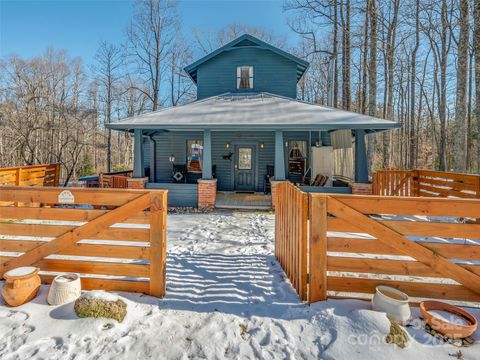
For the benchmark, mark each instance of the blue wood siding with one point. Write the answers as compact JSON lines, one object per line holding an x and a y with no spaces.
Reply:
{"x":175,"y":143}
{"x":179,"y":195}
{"x":271,"y":73}
{"x":326,"y":189}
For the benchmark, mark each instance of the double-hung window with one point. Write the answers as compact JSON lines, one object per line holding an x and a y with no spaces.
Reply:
{"x":194,"y":156}
{"x":244,"y":77}
{"x":297,"y":157}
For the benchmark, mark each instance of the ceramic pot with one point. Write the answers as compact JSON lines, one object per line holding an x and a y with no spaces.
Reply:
{"x":21,"y":285}
{"x":65,"y":288}
{"x":448,"y":328}
{"x":393,"y":302}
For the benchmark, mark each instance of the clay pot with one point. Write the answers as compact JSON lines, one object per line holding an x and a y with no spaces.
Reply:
{"x":21,"y":285}
{"x":393,"y":302}
{"x":449,"y":329}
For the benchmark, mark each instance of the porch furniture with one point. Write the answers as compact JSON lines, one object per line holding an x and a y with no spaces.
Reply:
{"x":267,"y":186}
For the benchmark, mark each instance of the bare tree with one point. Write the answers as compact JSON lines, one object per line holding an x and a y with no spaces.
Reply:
{"x":107,"y":70}
{"x":150,"y":38}
{"x":460,"y":137}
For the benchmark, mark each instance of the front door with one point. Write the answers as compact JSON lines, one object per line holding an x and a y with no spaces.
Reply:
{"x":244,"y":168}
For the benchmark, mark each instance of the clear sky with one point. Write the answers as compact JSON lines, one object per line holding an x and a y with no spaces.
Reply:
{"x":27,"y":28}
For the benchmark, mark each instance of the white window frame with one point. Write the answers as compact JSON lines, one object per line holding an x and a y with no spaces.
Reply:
{"x":250,"y":77}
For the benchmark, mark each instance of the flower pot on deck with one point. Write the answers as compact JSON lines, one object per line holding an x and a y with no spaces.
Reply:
{"x":64,"y":289}
{"x":21,"y":285}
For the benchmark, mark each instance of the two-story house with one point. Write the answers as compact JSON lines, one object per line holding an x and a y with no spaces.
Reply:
{"x":247,"y":128}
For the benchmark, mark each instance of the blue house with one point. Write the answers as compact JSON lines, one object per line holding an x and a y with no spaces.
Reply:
{"x":247,"y":130}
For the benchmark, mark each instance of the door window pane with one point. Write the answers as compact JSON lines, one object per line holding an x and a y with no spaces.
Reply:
{"x":245,"y":158}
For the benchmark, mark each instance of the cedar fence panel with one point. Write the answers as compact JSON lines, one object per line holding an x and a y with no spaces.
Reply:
{"x":34,"y":175}
{"x":291,"y":210}
{"x":358,"y":242}
{"x":115,"y":239}
{"x":425,"y":183}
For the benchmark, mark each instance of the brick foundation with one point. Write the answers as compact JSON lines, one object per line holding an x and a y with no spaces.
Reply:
{"x":207,"y":193}
{"x":137,"y":183}
{"x":361,"y":189}
{"x":274,"y":184}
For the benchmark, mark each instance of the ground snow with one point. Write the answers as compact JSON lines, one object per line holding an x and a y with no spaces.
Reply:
{"x":227,"y":298}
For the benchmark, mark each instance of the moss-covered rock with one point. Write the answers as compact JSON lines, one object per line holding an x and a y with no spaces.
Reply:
{"x":397,"y":335}
{"x":90,"y":306}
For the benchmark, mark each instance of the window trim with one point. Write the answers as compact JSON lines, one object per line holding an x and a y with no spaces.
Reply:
{"x":304,"y":158}
{"x":250,"y":77}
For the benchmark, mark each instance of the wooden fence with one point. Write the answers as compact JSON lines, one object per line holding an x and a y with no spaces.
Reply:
{"x":115,"y":239}
{"x":34,"y":175}
{"x":425,"y":183}
{"x":291,"y":235}
{"x":358,"y":242}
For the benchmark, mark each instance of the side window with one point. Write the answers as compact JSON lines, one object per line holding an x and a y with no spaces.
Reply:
{"x":194,"y":156}
{"x":297,"y":157}
{"x":244,"y":77}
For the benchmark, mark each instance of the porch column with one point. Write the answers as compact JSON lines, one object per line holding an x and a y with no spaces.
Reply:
{"x":207,"y":155}
{"x":138,"y":167}
{"x":279,"y":156}
{"x":361,"y":164}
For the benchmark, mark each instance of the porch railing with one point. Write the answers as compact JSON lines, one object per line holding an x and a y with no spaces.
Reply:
{"x":426,"y":183}
{"x":32,"y":175}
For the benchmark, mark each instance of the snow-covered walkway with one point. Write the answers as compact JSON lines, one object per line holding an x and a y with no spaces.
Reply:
{"x":227,"y":298}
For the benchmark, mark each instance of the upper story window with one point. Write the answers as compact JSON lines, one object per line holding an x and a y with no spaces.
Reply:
{"x":244,"y":77}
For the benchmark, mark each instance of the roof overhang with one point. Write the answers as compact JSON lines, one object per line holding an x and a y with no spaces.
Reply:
{"x":259,"y":112}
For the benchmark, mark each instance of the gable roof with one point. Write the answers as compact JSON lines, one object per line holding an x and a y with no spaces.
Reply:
{"x":247,"y":40}
{"x":261,"y":111}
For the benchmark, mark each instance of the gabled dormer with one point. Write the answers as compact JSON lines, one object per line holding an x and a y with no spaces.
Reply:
{"x":247,"y":65}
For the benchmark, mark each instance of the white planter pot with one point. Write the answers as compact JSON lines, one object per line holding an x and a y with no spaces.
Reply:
{"x":65,"y":288}
{"x":393,"y":302}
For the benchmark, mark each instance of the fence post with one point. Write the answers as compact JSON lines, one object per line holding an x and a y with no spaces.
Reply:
{"x":158,"y":242}
{"x":318,"y":247}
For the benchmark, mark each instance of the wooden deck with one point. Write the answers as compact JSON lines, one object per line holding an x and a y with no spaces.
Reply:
{"x":233,"y":200}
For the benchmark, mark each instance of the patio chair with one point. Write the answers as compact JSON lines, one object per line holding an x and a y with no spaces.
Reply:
{"x":267,"y":186}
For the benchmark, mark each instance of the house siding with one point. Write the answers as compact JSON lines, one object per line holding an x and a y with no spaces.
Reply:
{"x":271,"y":73}
{"x":175,"y":143}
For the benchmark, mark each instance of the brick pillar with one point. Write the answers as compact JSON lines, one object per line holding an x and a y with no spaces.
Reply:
{"x":274,"y":192}
{"x":207,"y":193}
{"x":361,"y":189}
{"x":137,"y":183}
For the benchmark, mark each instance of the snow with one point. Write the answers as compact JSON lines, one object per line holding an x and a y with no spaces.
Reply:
{"x":99,"y":295}
{"x":21,"y":271}
{"x":227,"y":298}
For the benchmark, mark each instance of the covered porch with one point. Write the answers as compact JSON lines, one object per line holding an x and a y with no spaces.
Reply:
{"x":245,"y":144}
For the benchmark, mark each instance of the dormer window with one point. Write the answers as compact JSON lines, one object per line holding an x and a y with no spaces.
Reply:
{"x":244,"y":77}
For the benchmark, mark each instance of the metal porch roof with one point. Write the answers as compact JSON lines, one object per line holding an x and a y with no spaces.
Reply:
{"x":262,"y":111}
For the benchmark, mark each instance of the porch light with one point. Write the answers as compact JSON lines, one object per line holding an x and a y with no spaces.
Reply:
{"x":171,"y":158}
{"x":227,"y":146}
{"x":262,"y":146}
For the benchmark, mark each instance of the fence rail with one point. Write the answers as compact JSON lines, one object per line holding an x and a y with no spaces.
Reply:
{"x":358,"y":242}
{"x":34,"y":175}
{"x":425,"y":183}
{"x":117,"y":242}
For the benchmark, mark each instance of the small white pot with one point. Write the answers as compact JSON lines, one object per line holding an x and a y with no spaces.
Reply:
{"x":64,"y":288}
{"x":393,"y":302}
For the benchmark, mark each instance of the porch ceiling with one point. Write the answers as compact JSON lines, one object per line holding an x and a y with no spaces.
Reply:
{"x":261,"y":111}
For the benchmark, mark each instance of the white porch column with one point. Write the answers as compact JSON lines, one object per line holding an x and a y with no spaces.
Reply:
{"x":138,"y":167}
{"x":279,"y":156}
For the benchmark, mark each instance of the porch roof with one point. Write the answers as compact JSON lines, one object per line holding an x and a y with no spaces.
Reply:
{"x":261,"y":111}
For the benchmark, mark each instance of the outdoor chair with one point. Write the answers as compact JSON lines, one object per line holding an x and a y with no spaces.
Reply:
{"x":267,"y":186}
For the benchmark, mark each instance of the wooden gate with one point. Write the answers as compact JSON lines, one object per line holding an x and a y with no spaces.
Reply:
{"x":291,"y":235}
{"x":115,"y":239}
{"x":422,"y":246}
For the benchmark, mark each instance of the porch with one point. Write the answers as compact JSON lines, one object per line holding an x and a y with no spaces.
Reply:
{"x":248,"y":162}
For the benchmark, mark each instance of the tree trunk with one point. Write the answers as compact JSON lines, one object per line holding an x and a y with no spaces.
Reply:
{"x":461,"y":101}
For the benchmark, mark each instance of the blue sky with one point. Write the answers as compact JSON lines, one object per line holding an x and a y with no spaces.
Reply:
{"x":27,"y":28}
